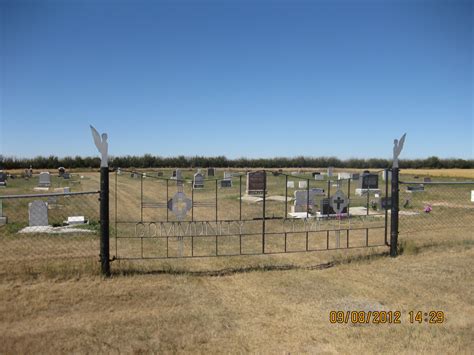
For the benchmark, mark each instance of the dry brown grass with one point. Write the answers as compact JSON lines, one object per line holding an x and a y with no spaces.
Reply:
{"x":255,"y":311}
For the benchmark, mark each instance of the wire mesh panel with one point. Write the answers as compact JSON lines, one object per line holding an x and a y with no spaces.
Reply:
{"x":434,"y":206}
{"x":47,"y":226}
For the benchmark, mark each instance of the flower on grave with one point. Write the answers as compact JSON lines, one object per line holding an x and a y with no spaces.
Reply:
{"x":427,"y":209}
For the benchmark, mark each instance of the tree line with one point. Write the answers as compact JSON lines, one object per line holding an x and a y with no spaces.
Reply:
{"x":152,"y":161}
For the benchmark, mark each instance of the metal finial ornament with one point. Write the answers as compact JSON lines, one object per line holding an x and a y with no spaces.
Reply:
{"x":102,"y":146}
{"x":397,"y":149}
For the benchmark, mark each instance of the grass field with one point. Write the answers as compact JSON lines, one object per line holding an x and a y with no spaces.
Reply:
{"x":273,"y":303}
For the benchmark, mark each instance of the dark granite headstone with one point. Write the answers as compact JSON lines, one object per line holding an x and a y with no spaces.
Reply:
{"x":369,"y":181}
{"x":255,"y":183}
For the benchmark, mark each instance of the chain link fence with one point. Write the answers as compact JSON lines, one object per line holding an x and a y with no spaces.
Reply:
{"x":429,"y":208}
{"x":49,"y":226}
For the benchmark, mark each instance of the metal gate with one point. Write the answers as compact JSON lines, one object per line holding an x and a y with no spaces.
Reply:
{"x":185,"y":214}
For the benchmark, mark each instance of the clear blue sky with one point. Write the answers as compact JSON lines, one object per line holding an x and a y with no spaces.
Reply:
{"x":237,"y":78}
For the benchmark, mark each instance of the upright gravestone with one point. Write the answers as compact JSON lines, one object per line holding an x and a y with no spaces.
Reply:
{"x":319,"y":177}
{"x":61,"y":171}
{"x":210,"y":171}
{"x":368,"y":182}
{"x":355,"y":176}
{"x":3,"y":178}
{"x":38,"y":213}
{"x":66,"y":176}
{"x":386,"y":175}
{"x":302,"y":184}
{"x":302,"y":202}
{"x":198,"y":180}
{"x":330,"y":171}
{"x":343,"y":176}
{"x":227,"y":181}
{"x":290,"y":184}
{"x":44,"y":179}
{"x":256,"y":183}
{"x":339,"y":202}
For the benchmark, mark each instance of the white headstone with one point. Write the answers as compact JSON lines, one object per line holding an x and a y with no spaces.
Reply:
{"x":330,"y":171}
{"x":319,"y":177}
{"x":290,"y":184}
{"x":227,"y":175}
{"x":472,"y":195}
{"x":302,"y":184}
{"x":38,"y":213}
{"x":338,"y":201}
{"x":76,"y":220}
{"x":343,"y":176}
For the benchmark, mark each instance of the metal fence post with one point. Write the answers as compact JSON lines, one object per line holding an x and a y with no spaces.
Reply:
{"x":104,"y":222}
{"x":394,"y":215}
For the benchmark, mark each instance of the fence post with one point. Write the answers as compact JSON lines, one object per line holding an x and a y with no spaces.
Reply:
{"x":104,"y":222}
{"x":394,"y":214}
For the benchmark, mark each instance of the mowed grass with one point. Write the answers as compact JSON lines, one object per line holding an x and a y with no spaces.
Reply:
{"x":268,"y":304}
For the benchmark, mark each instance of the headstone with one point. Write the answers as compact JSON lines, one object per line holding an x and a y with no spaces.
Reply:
{"x":301,"y":198}
{"x":472,"y":195}
{"x":44,"y":179}
{"x":119,"y":171}
{"x":226,"y":183}
{"x":369,"y":181}
{"x":198,"y":181}
{"x":76,"y":220}
{"x":343,"y":176}
{"x":3,"y":178}
{"x":386,"y":175}
{"x":415,"y":188}
{"x":427,"y":179}
{"x":210,"y":171}
{"x":38,"y":213}
{"x":355,"y":176}
{"x":66,"y":176}
{"x":325,"y":207}
{"x":330,"y":171}
{"x":256,"y":183}
{"x":339,"y":202}
{"x":302,"y":184}
{"x":290,"y":184}
{"x":319,"y":177}
{"x":61,"y":171}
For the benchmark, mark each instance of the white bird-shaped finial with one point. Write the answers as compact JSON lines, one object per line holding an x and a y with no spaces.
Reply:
{"x":397,"y":149}
{"x":102,"y":146}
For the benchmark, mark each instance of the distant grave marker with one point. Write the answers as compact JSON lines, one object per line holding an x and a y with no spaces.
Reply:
{"x":38,"y":213}
{"x":198,"y":180}
{"x":256,"y":183}
{"x":44,"y":179}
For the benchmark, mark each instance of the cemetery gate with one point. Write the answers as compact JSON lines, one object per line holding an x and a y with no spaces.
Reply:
{"x":186,"y":214}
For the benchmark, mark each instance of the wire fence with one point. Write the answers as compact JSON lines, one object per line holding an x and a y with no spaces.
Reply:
{"x":435,"y":206}
{"x":50,"y":225}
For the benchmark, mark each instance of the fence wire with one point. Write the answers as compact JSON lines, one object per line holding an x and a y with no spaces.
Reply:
{"x":430,"y":206}
{"x":48,"y":226}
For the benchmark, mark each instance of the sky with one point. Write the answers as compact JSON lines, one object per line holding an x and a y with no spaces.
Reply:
{"x":237,"y":78}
